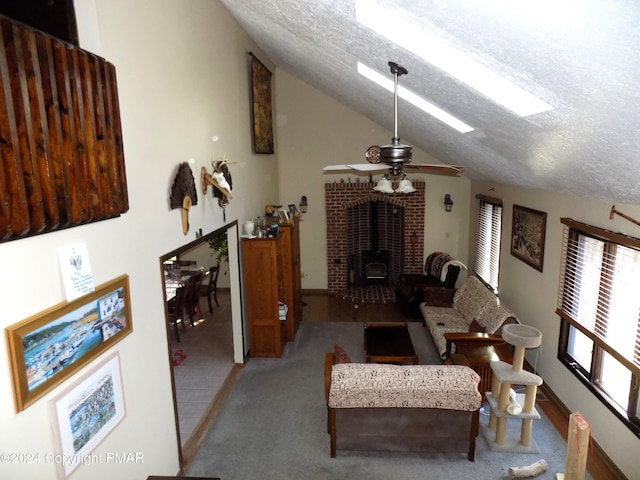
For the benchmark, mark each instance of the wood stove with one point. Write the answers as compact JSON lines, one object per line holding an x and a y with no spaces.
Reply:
{"x":375,"y":265}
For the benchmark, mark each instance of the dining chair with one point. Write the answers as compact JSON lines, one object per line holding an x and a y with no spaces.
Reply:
{"x":192,"y":298}
{"x":175,"y":308}
{"x":209,"y":288}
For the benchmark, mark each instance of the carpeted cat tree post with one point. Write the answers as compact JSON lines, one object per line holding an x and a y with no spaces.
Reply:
{"x":505,"y":375}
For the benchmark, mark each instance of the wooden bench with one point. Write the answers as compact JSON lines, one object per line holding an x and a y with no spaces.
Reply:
{"x":428,"y":408}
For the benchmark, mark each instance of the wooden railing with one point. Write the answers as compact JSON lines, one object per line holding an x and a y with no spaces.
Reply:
{"x":60,"y":135}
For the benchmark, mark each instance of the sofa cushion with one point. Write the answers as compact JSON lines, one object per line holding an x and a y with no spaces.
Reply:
{"x":371,"y":385}
{"x":493,"y":314}
{"x":471,"y":297}
{"x":441,"y":320}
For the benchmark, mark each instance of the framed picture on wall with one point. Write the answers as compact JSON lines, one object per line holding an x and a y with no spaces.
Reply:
{"x":52,"y":345}
{"x":527,"y":235}
{"x":261,"y":107}
{"x":86,"y":412}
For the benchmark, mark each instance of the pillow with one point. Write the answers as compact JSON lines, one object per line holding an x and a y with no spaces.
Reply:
{"x":341,"y":355}
{"x":476,"y":327}
{"x":438,"y":296}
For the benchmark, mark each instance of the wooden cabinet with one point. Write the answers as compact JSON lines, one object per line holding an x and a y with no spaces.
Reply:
{"x":291,"y":276}
{"x":271,"y":269}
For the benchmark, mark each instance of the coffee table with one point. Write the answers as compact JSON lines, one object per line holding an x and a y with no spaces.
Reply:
{"x":389,"y":343}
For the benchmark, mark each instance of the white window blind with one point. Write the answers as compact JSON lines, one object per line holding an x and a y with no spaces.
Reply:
{"x":598,"y":291}
{"x":488,"y":242}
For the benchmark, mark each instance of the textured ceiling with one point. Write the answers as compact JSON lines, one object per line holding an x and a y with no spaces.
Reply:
{"x":580,"y":56}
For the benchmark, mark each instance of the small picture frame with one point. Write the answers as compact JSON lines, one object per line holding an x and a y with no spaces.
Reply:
{"x":284,"y":216}
{"x":49,"y":347}
{"x":86,"y":412}
{"x":528,"y":235}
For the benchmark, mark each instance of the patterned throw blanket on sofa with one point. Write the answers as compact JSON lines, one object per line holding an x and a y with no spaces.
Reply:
{"x":435,"y":263}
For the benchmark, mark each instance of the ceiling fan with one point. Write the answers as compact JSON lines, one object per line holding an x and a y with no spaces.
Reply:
{"x":395,"y":157}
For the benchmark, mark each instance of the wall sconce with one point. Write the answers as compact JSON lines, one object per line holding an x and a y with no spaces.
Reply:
{"x":303,"y":204}
{"x":448,"y":203}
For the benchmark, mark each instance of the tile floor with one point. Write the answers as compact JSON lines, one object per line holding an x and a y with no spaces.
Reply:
{"x":209,"y":358}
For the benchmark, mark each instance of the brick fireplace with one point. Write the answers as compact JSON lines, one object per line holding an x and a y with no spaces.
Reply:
{"x":400,"y":250}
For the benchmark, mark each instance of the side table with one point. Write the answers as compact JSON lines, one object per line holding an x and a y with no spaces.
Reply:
{"x":479,"y":357}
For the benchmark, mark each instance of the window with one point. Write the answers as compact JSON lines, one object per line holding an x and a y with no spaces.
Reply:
{"x":600,"y":315}
{"x":488,"y":241}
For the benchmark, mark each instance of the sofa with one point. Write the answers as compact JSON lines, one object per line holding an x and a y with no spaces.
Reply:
{"x":409,"y":408}
{"x":440,"y":270}
{"x":471,"y":308}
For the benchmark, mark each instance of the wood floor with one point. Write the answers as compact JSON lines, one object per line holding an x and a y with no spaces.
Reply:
{"x":321,"y":307}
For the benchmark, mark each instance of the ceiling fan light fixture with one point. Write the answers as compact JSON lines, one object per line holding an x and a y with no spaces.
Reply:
{"x":384,"y":185}
{"x":405,"y":186}
{"x":395,"y":152}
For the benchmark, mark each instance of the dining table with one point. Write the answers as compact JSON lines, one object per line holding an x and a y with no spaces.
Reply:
{"x":175,"y":278}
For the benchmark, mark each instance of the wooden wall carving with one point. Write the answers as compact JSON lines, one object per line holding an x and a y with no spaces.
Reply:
{"x":60,"y":135}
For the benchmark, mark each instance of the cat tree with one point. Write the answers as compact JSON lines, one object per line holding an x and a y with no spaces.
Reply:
{"x":501,"y":399}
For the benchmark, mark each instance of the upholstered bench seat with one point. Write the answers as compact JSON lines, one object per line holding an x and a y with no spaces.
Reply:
{"x":408,"y":408}
{"x":367,"y":385}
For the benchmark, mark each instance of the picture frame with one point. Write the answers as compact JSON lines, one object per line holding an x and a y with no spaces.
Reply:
{"x":283,"y":216}
{"x":49,"y":347}
{"x":85,"y":413}
{"x":262,"y":126}
{"x":528,"y":235}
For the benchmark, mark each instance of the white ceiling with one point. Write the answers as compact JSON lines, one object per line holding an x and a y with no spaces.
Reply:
{"x":580,"y":56}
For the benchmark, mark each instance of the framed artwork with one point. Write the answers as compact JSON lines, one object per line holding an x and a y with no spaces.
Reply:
{"x":527,"y":235}
{"x":261,"y":107}
{"x":85,"y":413}
{"x":52,"y":345}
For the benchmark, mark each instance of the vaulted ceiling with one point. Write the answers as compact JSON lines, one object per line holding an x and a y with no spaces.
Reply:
{"x":582,"y":57}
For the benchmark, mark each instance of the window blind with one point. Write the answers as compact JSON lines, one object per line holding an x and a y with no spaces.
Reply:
{"x":488,"y":242}
{"x":598,"y":290}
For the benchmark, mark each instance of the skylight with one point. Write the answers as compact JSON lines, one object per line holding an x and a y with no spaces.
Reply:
{"x":414,"y":99}
{"x":434,"y":50}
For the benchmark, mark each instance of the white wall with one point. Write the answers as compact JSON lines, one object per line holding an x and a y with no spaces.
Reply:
{"x":532,"y":295}
{"x":312,"y":127}
{"x":182,"y":78}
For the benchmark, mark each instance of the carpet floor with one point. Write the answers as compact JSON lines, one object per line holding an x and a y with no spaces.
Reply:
{"x":273,"y":425}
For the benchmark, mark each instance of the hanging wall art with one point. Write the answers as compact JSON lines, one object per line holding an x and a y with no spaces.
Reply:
{"x":527,"y":235}
{"x":261,"y":107}
{"x":183,"y":193}
{"x":50,"y":346}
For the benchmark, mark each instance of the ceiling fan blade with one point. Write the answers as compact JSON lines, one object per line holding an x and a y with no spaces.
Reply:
{"x":453,"y":170}
{"x":361,"y":167}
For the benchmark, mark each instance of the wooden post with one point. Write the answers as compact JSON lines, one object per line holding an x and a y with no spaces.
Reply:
{"x":578,"y":440}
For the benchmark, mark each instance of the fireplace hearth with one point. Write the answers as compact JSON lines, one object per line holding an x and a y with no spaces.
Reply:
{"x":400,"y":217}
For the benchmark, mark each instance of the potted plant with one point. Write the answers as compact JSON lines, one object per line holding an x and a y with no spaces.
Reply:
{"x":220,"y":246}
